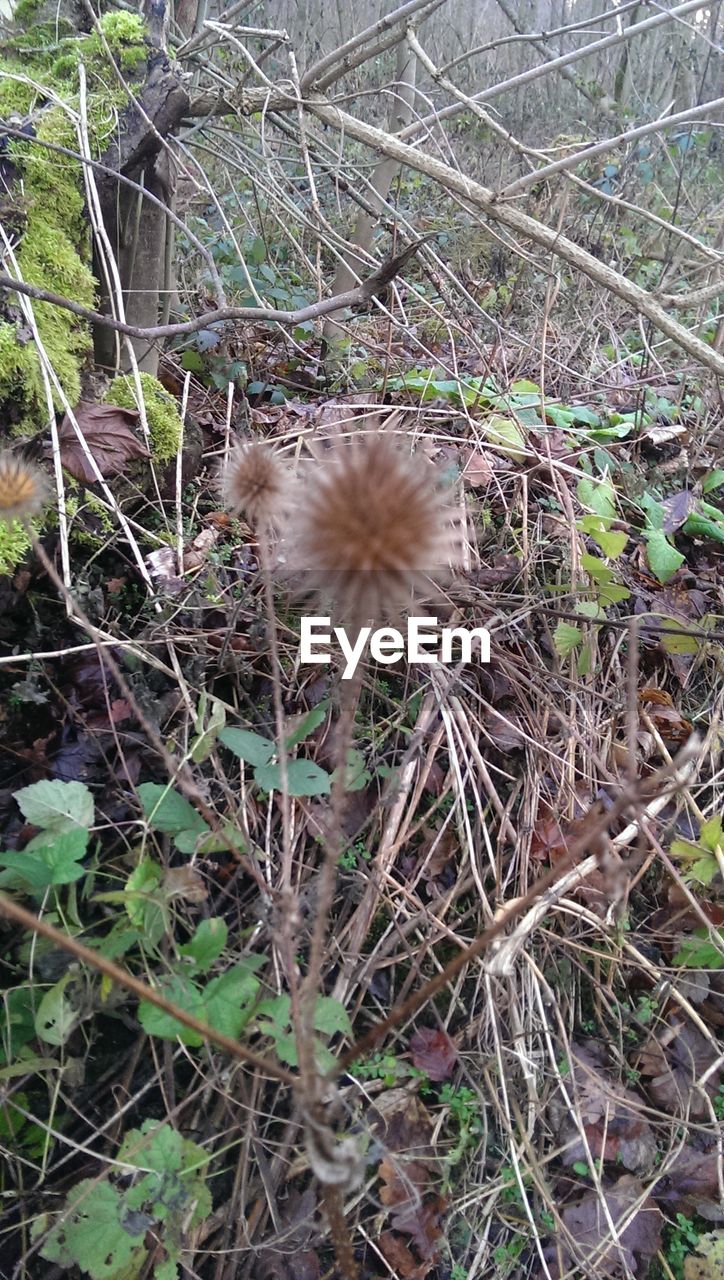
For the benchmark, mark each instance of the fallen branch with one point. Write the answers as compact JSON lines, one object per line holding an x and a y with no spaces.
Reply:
{"x":363,"y":293}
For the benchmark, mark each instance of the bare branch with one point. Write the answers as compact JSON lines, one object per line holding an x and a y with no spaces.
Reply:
{"x":597,"y":148}
{"x":565,"y":60}
{"x":398,"y":17}
{"x":364,"y":292}
{"x":484,"y":199}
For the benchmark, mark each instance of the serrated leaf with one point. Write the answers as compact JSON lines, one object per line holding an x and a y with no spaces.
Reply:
{"x":663,"y":559}
{"x":48,"y":864}
{"x":330,"y":1016}
{"x":304,"y":778}
{"x":167,"y":810}
{"x":57,"y":806}
{"x":91,"y":1234}
{"x":207,"y":944}
{"x":566,"y":638}
{"x":158,"y":1023}
{"x":700,"y":952}
{"x":143,"y":909}
{"x":250,"y":747}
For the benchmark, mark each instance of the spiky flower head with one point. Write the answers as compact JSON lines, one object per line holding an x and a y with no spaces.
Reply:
{"x":372,"y":531}
{"x":23,"y":488}
{"x":254,"y":484}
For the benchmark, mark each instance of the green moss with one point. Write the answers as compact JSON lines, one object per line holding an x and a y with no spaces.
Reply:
{"x":16,"y":99}
{"x":164,"y":419}
{"x":125,"y":35}
{"x":14,"y":542}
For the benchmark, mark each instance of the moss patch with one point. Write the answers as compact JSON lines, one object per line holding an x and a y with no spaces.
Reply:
{"x":14,"y":542}
{"x":164,"y":419}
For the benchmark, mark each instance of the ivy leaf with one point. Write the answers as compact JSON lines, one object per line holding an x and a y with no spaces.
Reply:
{"x":304,"y":778}
{"x":57,"y":806}
{"x":506,"y":434}
{"x":611,"y":542}
{"x":663,"y":559}
{"x":599,"y":495}
{"x":250,"y":747}
{"x":711,"y":834}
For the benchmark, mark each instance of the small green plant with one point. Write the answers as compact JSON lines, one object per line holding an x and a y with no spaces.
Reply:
{"x":681,"y":1238}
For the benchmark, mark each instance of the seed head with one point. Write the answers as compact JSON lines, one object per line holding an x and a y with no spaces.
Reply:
{"x":23,"y":488}
{"x":372,"y":530}
{"x":254,"y":483}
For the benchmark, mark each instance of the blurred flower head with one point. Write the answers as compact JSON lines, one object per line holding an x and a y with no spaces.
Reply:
{"x":372,"y":531}
{"x":23,"y":488}
{"x":254,"y":484}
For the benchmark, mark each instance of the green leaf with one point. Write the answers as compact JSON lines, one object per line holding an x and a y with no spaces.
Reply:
{"x":57,"y":806}
{"x":304,"y":778}
{"x":701,"y":526}
{"x":229,"y":999}
{"x":714,"y":480}
{"x":158,"y":1023}
{"x":207,"y":944}
{"x":330,"y":1017}
{"x":167,"y":810}
{"x":56,"y":1016}
{"x":38,"y":868}
{"x":663,"y":559}
{"x":590,"y":609}
{"x":566,"y":638}
{"x":611,"y":543}
{"x":711,"y":834}
{"x":92,"y":1234}
{"x":600,"y":496}
{"x":675,"y":642}
{"x":357,"y":775}
{"x":206,"y":741}
{"x":700,"y":952}
{"x":306,"y":725}
{"x":505,"y":433}
{"x":248,"y":746}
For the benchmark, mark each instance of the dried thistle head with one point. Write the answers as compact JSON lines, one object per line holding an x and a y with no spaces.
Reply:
{"x":23,"y":488}
{"x":372,"y":531}
{"x":254,"y":484}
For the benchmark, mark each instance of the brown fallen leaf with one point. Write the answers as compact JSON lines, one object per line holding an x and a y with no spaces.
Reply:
{"x":673,"y":1059}
{"x":433,"y":1052}
{"x":613,"y":1124}
{"x":106,"y":429}
{"x":690,"y":1185}
{"x":589,"y":1248}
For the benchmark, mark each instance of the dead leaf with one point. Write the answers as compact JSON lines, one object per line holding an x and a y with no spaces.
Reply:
{"x":478,"y":466}
{"x":547,"y":842}
{"x":185,"y":882}
{"x":672,"y":1060}
{"x":400,"y":1258}
{"x":588,"y":1246}
{"x":402,"y":1124}
{"x":614,"y":1126}
{"x":677,"y":509}
{"x":434,"y":1053}
{"x":690,"y":1185}
{"x":107,"y":432}
{"x":668,"y":722}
